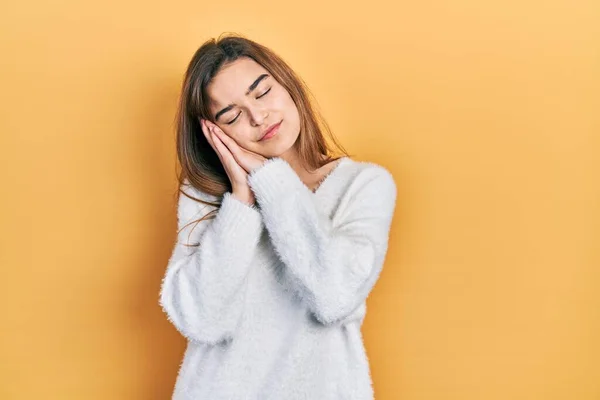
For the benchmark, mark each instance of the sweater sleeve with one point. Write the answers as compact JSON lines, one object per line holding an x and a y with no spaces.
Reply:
{"x":333,"y":262}
{"x":203,"y":289}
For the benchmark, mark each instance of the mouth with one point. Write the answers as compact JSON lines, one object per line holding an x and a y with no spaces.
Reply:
{"x":271,"y":131}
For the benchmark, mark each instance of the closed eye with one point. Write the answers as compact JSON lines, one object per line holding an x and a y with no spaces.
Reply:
{"x":264,"y":93}
{"x":236,"y":117}
{"x":233,"y":120}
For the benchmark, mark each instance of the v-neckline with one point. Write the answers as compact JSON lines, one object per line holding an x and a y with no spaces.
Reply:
{"x":327,"y":176}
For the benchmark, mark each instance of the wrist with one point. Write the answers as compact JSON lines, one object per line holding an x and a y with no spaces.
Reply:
{"x":245,"y":196}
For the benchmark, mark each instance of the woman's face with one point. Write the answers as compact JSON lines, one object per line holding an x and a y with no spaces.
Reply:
{"x":246,"y":101}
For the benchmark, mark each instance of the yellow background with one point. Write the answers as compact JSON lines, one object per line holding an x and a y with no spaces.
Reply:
{"x":486,"y":112}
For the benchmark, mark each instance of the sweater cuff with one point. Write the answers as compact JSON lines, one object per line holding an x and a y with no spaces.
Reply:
{"x":273,"y":179}
{"x":238,"y":216}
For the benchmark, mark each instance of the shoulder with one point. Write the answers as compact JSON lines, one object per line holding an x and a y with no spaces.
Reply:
{"x":369,"y":191}
{"x":369,"y":174}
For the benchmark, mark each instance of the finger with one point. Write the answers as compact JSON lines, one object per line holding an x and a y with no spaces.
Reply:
{"x":207,"y":135}
{"x":216,"y":147}
{"x":234,"y":152}
{"x":211,"y":131}
{"x":224,"y":153}
{"x":246,"y":159}
{"x":232,"y":146}
{"x":253,"y":154}
{"x":210,"y":138}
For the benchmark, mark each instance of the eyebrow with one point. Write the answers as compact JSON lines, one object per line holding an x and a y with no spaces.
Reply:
{"x":250,"y":89}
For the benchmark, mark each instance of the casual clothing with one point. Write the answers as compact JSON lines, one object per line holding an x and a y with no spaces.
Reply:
{"x":273,"y":299}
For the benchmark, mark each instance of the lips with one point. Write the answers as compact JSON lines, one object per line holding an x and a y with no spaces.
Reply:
{"x":270,"y":130}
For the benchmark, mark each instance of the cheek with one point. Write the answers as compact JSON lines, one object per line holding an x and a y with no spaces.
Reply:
{"x":242,"y":136}
{"x":292,"y":110}
{"x":288,"y":106}
{"x":283,"y":100}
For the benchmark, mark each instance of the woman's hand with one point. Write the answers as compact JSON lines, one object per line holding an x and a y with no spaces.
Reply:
{"x":248,"y":160}
{"x":237,"y":161}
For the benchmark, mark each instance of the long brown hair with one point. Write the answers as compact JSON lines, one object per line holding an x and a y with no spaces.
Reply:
{"x":200,"y":164}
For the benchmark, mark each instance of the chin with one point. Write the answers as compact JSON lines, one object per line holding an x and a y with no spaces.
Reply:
{"x":276,"y":148}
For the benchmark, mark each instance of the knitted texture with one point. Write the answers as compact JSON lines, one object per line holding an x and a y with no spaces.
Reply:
{"x":273,"y":299}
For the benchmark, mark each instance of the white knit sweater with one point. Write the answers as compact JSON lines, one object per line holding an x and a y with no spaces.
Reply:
{"x":273,"y":300}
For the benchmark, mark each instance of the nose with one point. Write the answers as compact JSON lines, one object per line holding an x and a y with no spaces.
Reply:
{"x":258,"y":116}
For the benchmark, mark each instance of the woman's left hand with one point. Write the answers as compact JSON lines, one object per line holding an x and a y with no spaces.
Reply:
{"x":245,"y":158}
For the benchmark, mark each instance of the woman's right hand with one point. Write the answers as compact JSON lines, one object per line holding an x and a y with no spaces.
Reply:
{"x":237,"y":175}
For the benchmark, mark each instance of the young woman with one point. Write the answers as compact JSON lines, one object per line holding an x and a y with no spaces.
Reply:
{"x":270,"y":290}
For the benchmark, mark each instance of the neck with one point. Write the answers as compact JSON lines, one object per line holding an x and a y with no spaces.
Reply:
{"x":292,"y":157}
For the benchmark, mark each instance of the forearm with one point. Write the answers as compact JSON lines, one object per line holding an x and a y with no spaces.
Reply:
{"x":333,"y":264}
{"x":203,"y":292}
